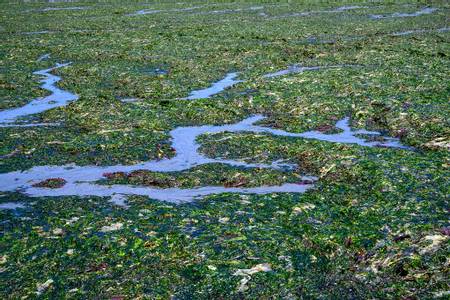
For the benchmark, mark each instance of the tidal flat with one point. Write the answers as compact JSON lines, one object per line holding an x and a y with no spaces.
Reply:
{"x":214,"y":150}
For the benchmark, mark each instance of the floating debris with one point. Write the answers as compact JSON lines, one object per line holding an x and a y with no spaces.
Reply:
{"x":303,"y":208}
{"x":436,"y":240}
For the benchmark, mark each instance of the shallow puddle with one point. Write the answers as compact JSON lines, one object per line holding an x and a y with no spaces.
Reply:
{"x":58,"y":98}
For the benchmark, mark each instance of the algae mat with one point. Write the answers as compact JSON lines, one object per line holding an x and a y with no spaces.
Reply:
{"x":221,"y":150}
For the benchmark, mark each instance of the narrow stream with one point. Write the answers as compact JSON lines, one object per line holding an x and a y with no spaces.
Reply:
{"x":424,"y":11}
{"x":43,"y":57}
{"x":236,"y":10}
{"x":414,"y":31}
{"x":340,"y":9}
{"x":155,"y":11}
{"x":299,"y":69}
{"x":57,"y":98}
{"x":217,"y":87}
{"x":47,"y":9}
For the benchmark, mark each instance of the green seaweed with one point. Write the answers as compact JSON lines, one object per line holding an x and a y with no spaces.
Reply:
{"x":374,"y":226}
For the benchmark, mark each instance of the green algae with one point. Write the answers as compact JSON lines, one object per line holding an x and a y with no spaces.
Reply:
{"x":210,"y":174}
{"x":373,"y":227}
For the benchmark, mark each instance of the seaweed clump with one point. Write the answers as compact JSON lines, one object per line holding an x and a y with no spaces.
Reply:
{"x":51,"y":183}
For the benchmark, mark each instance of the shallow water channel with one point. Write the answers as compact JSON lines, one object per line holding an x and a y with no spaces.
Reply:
{"x":57,"y":98}
{"x":82,"y":180}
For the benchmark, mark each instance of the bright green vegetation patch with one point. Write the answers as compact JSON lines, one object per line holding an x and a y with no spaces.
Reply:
{"x":376,"y":223}
{"x":25,"y":147}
